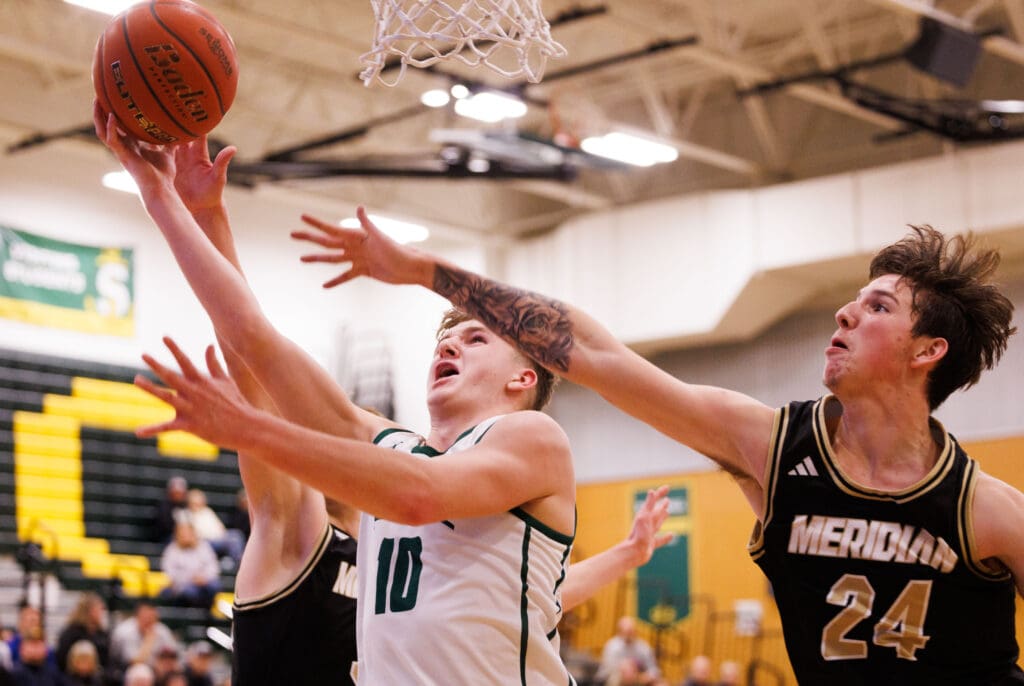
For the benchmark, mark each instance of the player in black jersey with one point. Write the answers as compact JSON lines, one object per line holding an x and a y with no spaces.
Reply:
{"x":893,"y":557}
{"x":303,"y":633}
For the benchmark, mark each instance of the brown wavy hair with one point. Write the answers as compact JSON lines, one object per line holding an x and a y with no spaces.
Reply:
{"x":952,"y":297}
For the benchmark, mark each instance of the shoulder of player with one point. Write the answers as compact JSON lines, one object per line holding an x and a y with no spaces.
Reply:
{"x":540,"y":426}
{"x":371,"y":423}
{"x":998,"y":517}
{"x":531,"y":431}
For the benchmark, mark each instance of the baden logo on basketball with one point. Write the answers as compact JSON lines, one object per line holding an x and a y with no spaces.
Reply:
{"x":167,"y":70}
{"x":151,"y":130}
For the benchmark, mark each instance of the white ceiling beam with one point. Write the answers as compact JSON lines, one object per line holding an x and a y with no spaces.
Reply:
{"x":819,"y":96}
{"x":314,"y":202}
{"x":764,"y":130}
{"x":810,"y":21}
{"x":1015,"y":12}
{"x":34,"y":53}
{"x":700,"y":153}
{"x":563,"y":192}
{"x":694,"y":105}
{"x":654,"y":101}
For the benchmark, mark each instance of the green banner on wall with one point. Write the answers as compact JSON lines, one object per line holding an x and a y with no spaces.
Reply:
{"x":65,"y":285}
{"x":663,"y":584}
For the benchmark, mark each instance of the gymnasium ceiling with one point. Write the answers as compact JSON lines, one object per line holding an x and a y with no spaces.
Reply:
{"x":749,"y":91}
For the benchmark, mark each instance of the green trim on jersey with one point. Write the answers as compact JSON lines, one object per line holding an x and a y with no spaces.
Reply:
{"x":540,"y":526}
{"x":524,"y":631}
{"x":387,"y":432}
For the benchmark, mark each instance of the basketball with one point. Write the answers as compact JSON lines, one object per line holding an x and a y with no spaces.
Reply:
{"x":167,"y":70}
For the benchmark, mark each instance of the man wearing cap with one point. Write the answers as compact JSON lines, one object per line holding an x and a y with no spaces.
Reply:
{"x":167,"y":661}
{"x":198,"y":657}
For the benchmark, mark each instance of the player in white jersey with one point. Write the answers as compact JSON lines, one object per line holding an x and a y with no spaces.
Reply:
{"x":455,"y":527}
{"x":522,"y":463}
{"x":509,"y":566}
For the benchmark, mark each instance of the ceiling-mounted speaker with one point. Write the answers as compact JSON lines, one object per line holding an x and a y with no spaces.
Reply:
{"x":945,"y":52}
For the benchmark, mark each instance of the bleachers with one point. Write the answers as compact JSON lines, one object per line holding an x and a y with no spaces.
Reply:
{"x":75,"y":480}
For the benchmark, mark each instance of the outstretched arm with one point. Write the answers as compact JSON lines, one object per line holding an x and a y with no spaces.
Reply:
{"x":587,"y":577}
{"x":523,"y":460}
{"x":287,"y":516}
{"x":729,"y":427}
{"x":297,"y":384}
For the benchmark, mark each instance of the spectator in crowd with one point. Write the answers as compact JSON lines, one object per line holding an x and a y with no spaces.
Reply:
{"x":226,"y":543}
{"x":33,"y":667}
{"x":198,"y":659}
{"x":138,"y":639}
{"x":238,"y":518}
{"x":700,"y":672}
{"x":30,"y":620}
{"x":83,"y":665}
{"x":627,"y":660}
{"x":139,"y":674}
{"x":88,"y":621}
{"x":5,"y":654}
{"x":167,"y":662}
{"x":192,"y":567}
{"x":173,"y":679}
{"x":729,"y":673}
{"x":170,"y":509}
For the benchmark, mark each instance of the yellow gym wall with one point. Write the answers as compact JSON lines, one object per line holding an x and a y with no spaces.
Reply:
{"x":720,"y":525}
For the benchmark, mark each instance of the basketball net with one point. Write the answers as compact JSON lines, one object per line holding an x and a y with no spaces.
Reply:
{"x":489,"y":32}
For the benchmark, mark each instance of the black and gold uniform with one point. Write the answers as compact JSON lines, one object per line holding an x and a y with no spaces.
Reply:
{"x":879,"y":587}
{"x":303,"y":634}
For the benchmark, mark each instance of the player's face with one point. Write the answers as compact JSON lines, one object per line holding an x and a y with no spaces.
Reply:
{"x":472,"y":363}
{"x":873,"y":342}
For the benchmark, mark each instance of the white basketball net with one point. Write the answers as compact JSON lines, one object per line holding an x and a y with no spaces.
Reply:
{"x":490,"y":32}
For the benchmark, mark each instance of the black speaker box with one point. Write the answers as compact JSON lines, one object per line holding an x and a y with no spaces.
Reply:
{"x":945,"y":52}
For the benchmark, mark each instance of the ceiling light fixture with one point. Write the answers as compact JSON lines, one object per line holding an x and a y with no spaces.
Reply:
{"x":120,"y":181}
{"x":478,"y":165}
{"x":488,"y":106}
{"x":635,"y":150}
{"x":402,"y":232}
{"x":435,"y":98}
{"x":104,"y":6}
{"x":459,"y":91}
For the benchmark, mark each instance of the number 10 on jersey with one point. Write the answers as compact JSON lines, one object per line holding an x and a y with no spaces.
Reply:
{"x":405,"y":583}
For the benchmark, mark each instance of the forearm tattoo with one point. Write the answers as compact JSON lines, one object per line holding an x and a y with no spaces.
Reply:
{"x":538,"y":326}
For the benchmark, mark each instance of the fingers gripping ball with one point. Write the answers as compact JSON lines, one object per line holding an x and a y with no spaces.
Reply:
{"x":166,"y":69}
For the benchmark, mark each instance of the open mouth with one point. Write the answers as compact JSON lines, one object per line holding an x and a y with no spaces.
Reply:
{"x":836,"y":343}
{"x":444,"y":370}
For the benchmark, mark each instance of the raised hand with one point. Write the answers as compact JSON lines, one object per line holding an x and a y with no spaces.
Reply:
{"x":200,"y":182}
{"x":209,"y":406}
{"x":644,"y":536}
{"x":368,"y":250}
{"x":147,"y":163}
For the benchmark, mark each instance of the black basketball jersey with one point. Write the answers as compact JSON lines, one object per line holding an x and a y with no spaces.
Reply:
{"x":879,"y":587}
{"x":304,"y":634}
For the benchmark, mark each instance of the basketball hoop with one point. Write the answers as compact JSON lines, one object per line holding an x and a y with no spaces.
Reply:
{"x":489,"y":32}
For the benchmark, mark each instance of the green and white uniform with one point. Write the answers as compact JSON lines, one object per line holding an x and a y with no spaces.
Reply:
{"x":466,"y":601}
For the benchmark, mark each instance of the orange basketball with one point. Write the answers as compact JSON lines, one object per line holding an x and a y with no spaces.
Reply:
{"x":166,"y":69}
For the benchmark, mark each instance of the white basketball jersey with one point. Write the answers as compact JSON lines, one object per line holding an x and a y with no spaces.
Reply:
{"x":467,"y":601}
